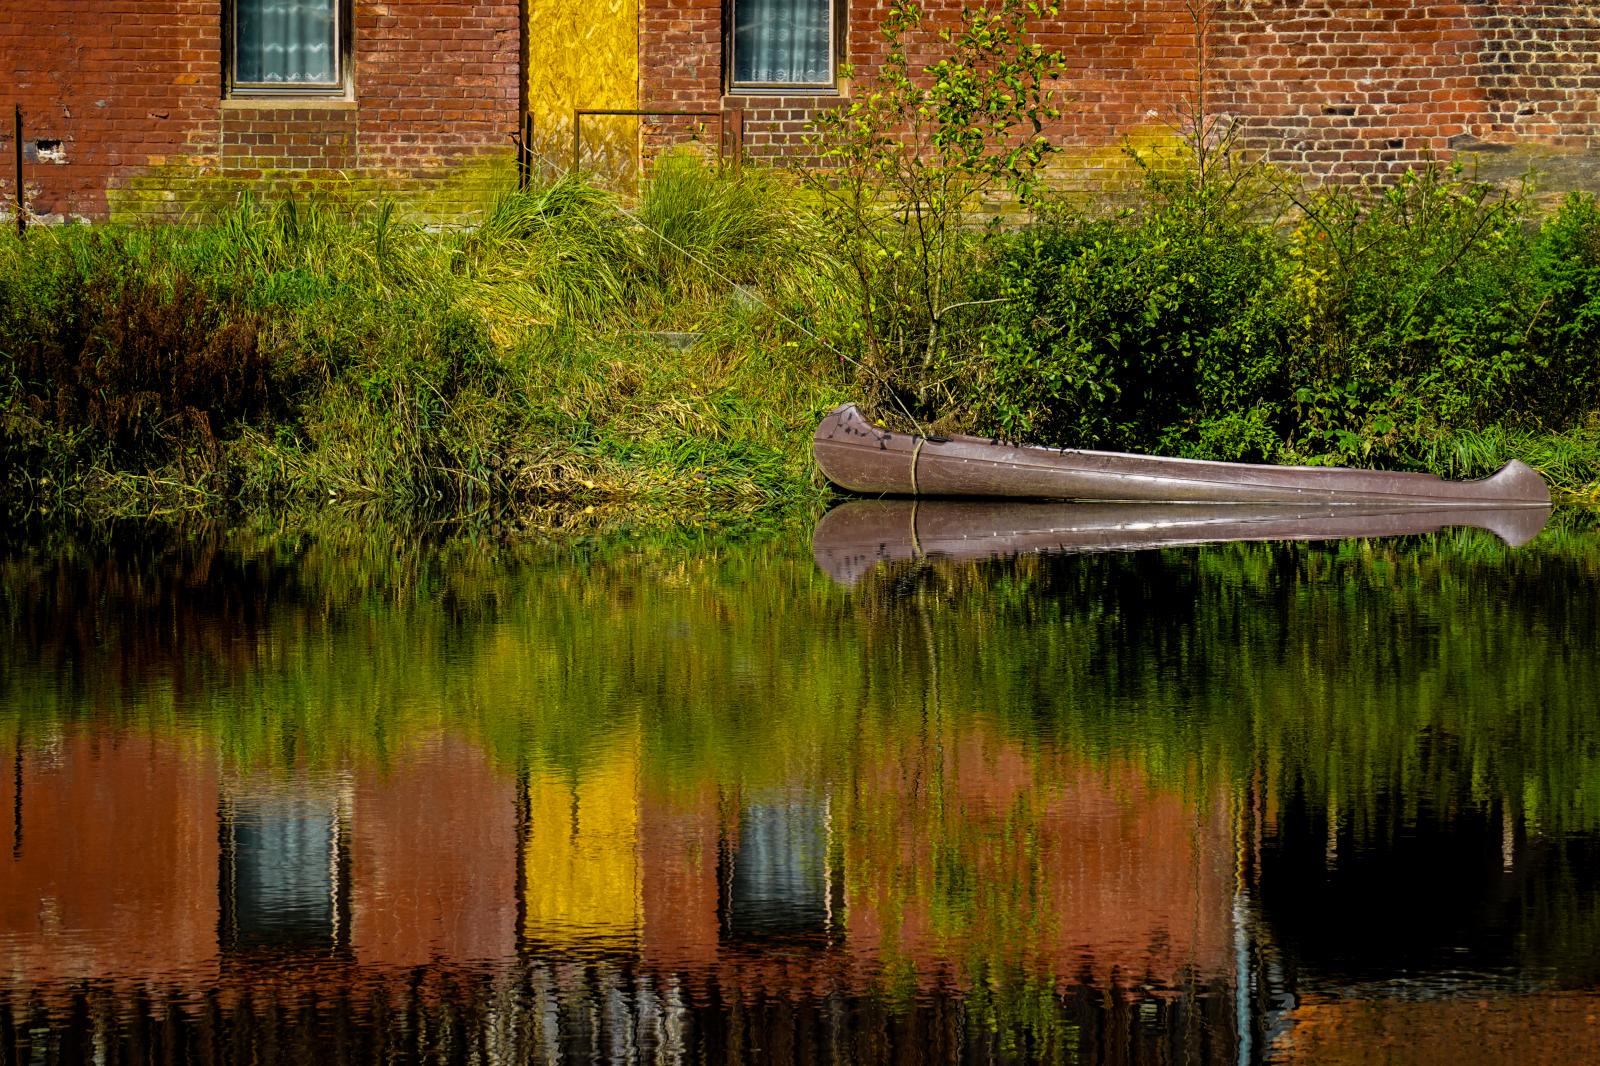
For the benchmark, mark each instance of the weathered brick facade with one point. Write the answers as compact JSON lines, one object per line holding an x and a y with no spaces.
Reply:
{"x":123,"y":104}
{"x":1340,"y":89}
{"x":1347,"y":88}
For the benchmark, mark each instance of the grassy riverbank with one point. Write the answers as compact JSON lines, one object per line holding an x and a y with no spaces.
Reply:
{"x":299,"y":351}
{"x":671,"y":355}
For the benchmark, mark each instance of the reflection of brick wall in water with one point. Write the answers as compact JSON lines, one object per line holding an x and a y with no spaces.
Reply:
{"x":115,"y":871}
{"x":1508,"y":1029}
{"x":434,"y":858}
{"x":679,"y":837}
{"x":1066,"y":867}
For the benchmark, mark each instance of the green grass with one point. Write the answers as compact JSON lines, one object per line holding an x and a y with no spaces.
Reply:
{"x":300,"y":351}
{"x":1570,"y":461}
{"x":513,"y":361}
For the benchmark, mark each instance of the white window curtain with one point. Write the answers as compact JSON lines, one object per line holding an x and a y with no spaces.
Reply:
{"x":782,"y":42}
{"x":293,"y":42}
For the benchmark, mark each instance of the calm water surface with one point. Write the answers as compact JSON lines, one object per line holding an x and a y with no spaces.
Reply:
{"x":359,"y":792}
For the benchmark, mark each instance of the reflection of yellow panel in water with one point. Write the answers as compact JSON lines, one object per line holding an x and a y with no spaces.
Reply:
{"x":582,"y":857}
{"x":584,"y":53}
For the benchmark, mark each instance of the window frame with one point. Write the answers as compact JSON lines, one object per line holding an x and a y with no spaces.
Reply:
{"x":837,"y":25}
{"x":340,"y":88}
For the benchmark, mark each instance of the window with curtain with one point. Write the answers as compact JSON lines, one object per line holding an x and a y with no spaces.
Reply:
{"x":287,"y":45}
{"x":783,"y":43}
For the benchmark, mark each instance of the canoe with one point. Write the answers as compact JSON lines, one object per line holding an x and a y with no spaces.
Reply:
{"x":861,"y":457}
{"x":855,"y":538}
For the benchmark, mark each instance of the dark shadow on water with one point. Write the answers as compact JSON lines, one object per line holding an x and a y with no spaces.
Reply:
{"x":540,"y":1010}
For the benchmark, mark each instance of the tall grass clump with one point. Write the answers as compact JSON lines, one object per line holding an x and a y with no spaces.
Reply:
{"x":119,"y":356}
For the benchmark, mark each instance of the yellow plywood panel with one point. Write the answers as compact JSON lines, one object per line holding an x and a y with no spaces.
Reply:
{"x":582,"y":853}
{"x":584,"y":53}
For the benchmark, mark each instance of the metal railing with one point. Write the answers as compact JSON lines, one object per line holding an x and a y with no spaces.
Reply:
{"x":730,"y":134}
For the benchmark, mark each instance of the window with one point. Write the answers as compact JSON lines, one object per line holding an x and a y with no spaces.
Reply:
{"x":287,"y":47}
{"x":783,"y":44}
{"x":285,"y":874}
{"x":780,"y":882}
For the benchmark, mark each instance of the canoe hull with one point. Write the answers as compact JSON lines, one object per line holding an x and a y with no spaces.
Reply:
{"x":861,"y":457}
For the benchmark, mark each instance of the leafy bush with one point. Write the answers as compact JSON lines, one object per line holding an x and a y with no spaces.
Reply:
{"x":907,"y":162}
{"x":1125,"y":333}
{"x":1563,"y":331}
{"x":1367,"y":329}
{"x":1407,"y":314}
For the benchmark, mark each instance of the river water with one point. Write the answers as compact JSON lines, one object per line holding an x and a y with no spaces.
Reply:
{"x":356,"y":791}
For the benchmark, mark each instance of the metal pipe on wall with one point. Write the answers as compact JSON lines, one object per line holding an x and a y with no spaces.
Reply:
{"x":22,"y":214}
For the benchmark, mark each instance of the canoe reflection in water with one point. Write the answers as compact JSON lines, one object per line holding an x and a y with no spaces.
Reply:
{"x":856,"y":537}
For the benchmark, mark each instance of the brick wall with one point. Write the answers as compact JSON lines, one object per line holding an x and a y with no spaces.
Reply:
{"x":1125,"y":58}
{"x":1344,"y":88}
{"x":1339,"y":89}
{"x":1539,"y":70}
{"x":132,"y":92}
{"x":125,"y":95}
{"x":119,"y":91}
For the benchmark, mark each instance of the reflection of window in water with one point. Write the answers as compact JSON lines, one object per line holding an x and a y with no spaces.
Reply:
{"x":776,"y":880}
{"x":285,"y":874}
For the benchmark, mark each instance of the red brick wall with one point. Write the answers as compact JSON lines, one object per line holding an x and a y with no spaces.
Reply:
{"x":1539,"y":67}
{"x":1346,"y":89}
{"x":133,"y":91}
{"x":1338,"y":88}
{"x":119,"y":89}
{"x":1350,"y":88}
{"x":1125,"y":57}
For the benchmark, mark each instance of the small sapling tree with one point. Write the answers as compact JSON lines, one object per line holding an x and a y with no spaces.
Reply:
{"x":951,"y":115}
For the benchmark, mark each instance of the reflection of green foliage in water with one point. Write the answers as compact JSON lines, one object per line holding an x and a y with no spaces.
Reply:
{"x":1376,"y":679}
{"x":1337,"y":668}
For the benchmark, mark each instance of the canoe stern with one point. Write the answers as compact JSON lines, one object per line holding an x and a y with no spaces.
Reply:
{"x":1517,"y":482}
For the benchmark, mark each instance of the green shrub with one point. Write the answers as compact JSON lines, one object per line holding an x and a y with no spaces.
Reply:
{"x":1126,"y":333}
{"x":1564,"y":328}
{"x":1407,"y":313}
{"x":1367,"y":329}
